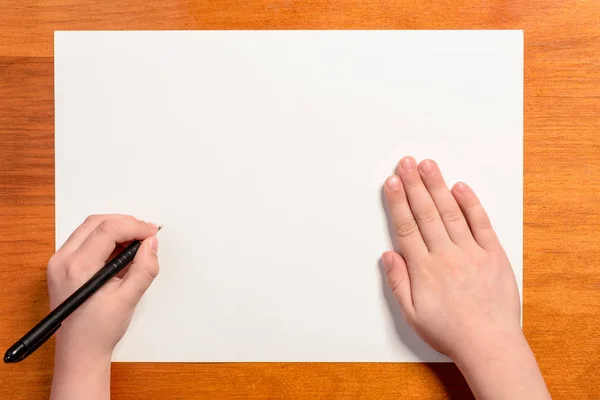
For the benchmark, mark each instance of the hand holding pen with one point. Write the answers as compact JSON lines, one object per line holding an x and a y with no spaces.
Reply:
{"x":86,"y":339}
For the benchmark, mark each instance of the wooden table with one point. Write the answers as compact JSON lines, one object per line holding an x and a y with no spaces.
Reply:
{"x":562,"y":189}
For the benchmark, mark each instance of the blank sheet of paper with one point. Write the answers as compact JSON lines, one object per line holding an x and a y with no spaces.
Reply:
{"x":263,"y":154}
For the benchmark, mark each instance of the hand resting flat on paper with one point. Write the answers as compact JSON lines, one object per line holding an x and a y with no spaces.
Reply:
{"x":455,"y":284}
{"x":85,"y":342}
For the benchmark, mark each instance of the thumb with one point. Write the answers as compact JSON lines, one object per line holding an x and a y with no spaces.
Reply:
{"x":142,"y":271}
{"x":398,"y":279}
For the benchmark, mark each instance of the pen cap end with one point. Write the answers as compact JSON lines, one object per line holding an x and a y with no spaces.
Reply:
{"x":15,"y":353}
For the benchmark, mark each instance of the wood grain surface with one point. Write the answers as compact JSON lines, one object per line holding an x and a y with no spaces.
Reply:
{"x":562,"y":189}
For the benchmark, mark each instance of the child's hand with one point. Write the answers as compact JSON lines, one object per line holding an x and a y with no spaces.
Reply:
{"x":453,"y":280}
{"x":85,"y":342}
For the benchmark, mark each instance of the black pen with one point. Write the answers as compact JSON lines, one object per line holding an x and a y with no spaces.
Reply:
{"x":40,"y":333}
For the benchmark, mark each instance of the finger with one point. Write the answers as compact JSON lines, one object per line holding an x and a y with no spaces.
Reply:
{"x":142,"y":271}
{"x":101,"y":242}
{"x":399,"y":281}
{"x":405,"y":227}
{"x":452,"y":216}
{"x":422,"y":206}
{"x":477,"y":218}
{"x":82,"y":232}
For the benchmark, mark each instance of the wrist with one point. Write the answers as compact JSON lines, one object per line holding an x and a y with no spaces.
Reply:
{"x":503,"y":368}
{"x":80,"y":374}
{"x":490,"y":350}
{"x":73,"y":347}
{"x":79,"y":363}
{"x":67,"y":353}
{"x":81,"y":369}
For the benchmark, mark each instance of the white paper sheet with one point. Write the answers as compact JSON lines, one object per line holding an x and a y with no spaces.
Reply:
{"x":263,"y":154}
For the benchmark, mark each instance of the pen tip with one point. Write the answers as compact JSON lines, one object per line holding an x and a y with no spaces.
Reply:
{"x":159,"y":228}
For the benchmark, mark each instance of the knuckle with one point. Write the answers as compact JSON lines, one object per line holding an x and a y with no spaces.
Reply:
{"x":406,"y":228}
{"x":483,"y":221}
{"x":482,"y":258}
{"x":133,"y":223}
{"x":394,"y":282}
{"x":447,"y":259}
{"x":396,"y":198}
{"x":130,"y":218}
{"x":71,"y":268}
{"x":107,"y":227}
{"x":152,"y":270}
{"x":451,"y":215}
{"x":54,"y":263}
{"x":426,"y":216}
{"x":412,"y":183}
{"x":92,"y":218}
{"x":55,"y":269}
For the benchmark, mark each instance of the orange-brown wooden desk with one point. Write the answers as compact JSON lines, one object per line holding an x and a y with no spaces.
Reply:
{"x":562,"y":189}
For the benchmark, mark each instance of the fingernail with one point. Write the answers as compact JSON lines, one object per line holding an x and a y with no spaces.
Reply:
{"x":427,"y":166}
{"x":154,"y":245}
{"x":153,"y":226}
{"x":462,"y":188}
{"x":388,"y":261}
{"x":407,"y":164}
{"x":393,"y":183}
